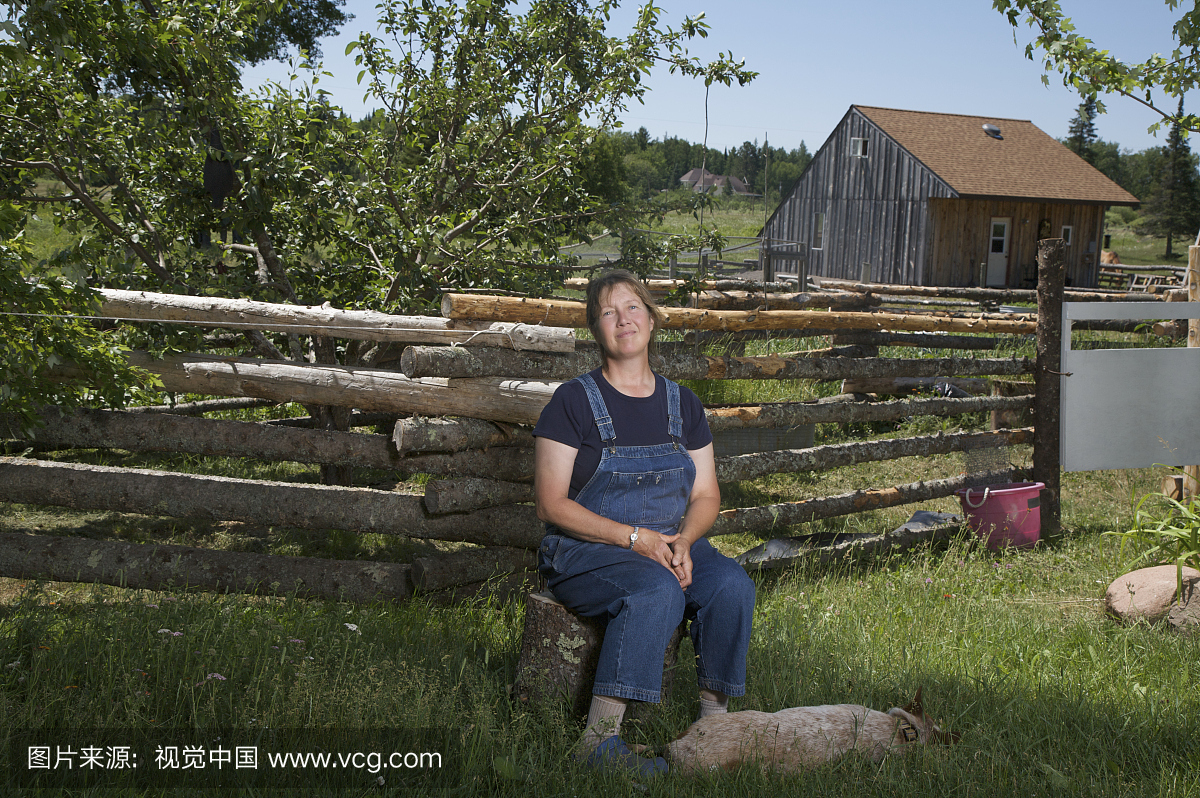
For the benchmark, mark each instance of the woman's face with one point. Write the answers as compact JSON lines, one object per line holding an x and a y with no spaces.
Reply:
{"x":626,"y":325}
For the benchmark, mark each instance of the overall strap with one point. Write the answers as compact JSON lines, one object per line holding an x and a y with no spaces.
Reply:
{"x":599,"y":410}
{"x":674,"y":419}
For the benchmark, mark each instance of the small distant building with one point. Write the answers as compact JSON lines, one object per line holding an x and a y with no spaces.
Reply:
{"x":704,"y":181}
{"x":917,"y":198}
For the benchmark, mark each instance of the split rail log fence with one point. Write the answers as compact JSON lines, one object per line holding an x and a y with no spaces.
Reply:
{"x":505,"y":358}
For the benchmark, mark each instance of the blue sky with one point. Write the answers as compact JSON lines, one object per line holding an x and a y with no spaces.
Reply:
{"x":816,"y":59}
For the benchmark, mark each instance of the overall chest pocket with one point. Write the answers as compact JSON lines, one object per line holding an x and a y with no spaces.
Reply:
{"x":648,"y":498}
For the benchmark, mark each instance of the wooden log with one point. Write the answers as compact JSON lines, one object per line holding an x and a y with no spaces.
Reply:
{"x":990,"y":295}
{"x":771,"y":519}
{"x":420,"y":434}
{"x":498,"y":590}
{"x":572,"y":314}
{"x":117,"y":431}
{"x":465,"y":495}
{"x":924,"y":340}
{"x":717,"y":337}
{"x":1008,"y":417}
{"x":859,"y":549}
{"x":461,"y":567}
{"x":1191,"y":473}
{"x":357,"y":419}
{"x":751,"y":466}
{"x":665,"y":286}
{"x":204,"y":406}
{"x":501,"y":463}
{"x":751,"y":300}
{"x":286,"y":504}
{"x":1172,"y":487}
{"x":903,"y":385}
{"x":559,"y":653}
{"x":363,"y":325}
{"x":153,"y":432}
{"x":1052,"y":271}
{"x":794,"y":414}
{"x":158,"y":566}
{"x":490,"y":398}
{"x":678,"y":364}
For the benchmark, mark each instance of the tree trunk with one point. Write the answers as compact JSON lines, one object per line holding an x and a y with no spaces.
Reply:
{"x":903,"y":385}
{"x":469,"y":565}
{"x":793,"y":414}
{"x":364,"y":325}
{"x":770,"y":519}
{"x":285,"y":504}
{"x":465,"y":495}
{"x":676,"y":364}
{"x":423,"y":434}
{"x":572,"y":314}
{"x":751,"y":466}
{"x":154,"y":566}
{"x":559,"y":653}
{"x":495,"y":399}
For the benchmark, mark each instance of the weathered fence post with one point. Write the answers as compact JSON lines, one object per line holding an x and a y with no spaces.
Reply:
{"x":1047,"y":387}
{"x":1191,"y":474}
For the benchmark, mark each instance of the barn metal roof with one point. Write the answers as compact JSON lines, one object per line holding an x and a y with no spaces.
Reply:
{"x":1025,"y":163}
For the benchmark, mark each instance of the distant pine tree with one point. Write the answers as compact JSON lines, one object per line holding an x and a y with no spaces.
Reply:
{"x":1081,"y":135}
{"x":1172,"y":206}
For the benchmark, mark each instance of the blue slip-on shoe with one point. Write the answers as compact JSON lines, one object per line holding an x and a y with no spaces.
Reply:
{"x":614,"y":756}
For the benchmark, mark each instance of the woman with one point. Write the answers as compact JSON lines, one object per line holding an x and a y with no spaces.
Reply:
{"x":627,"y":486}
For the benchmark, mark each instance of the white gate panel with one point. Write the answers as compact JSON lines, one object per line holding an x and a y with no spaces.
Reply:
{"x":1129,"y":408}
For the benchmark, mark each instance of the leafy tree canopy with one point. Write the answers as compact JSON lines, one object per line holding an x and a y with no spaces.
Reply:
{"x":126,"y":123}
{"x":1154,"y":82}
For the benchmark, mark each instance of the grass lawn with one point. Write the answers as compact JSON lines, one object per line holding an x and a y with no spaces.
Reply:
{"x":1013,"y":652}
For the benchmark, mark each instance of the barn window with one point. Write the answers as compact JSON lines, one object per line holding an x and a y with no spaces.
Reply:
{"x":818,"y":230}
{"x":858,"y":148}
{"x":1066,"y":235}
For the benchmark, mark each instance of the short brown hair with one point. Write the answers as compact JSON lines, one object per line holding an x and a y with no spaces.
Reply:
{"x":599,"y":286}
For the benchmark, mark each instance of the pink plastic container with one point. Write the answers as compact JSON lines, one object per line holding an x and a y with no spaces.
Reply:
{"x":1004,"y":515}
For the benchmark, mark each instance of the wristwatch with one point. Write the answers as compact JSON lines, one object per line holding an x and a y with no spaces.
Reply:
{"x":633,"y":536}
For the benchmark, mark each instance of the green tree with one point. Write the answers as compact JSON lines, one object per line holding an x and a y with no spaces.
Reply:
{"x":488,"y":152}
{"x":1172,"y":207}
{"x":1092,"y":70}
{"x":1081,"y":135}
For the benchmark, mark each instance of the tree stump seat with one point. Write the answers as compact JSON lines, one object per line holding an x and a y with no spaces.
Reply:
{"x":559,"y":652}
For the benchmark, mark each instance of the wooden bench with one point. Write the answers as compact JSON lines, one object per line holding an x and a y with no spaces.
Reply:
{"x":559,"y":652}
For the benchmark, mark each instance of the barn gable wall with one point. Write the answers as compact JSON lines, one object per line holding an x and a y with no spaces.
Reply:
{"x":876,"y":208}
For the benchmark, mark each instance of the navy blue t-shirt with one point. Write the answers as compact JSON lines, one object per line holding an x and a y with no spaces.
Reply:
{"x":637,"y":421}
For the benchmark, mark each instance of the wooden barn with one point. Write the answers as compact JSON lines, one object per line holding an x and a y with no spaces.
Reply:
{"x":916,"y":198}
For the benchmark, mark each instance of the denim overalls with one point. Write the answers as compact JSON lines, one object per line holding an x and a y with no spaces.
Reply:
{"x":642,"y":602}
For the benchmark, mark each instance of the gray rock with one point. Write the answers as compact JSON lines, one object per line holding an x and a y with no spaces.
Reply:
{"x":1149,"y":593}
{"x":1185,"y":615}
